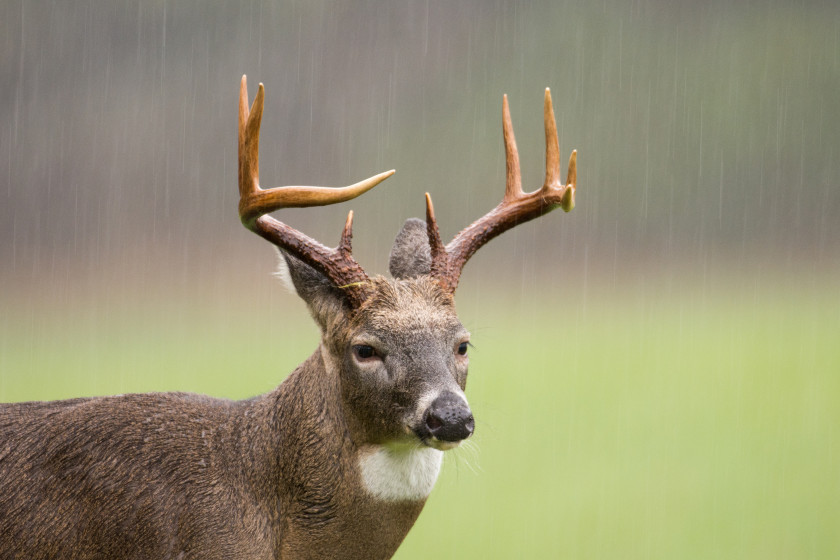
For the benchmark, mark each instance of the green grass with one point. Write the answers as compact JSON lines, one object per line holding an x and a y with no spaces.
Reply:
{"x":666,"y":428}
{"x":629,"y":423}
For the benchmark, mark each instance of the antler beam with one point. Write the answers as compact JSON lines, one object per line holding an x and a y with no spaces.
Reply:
{"x":516,"y":207}
{"x":254,"y":203}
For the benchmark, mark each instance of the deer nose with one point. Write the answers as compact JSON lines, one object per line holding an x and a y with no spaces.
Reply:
{"x":449,"y":418}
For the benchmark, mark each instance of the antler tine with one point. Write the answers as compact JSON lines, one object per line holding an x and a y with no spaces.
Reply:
{"x":567,"y":202}
{"x":552,"y":149}
{"x":513,"y":182}
{"x":571,"y":177}
{"x":249,"y":140}
{"x":338,"y":264}
{"x":516,"y":206}
{"x":344,"y":246}
{"x":438,"y":250}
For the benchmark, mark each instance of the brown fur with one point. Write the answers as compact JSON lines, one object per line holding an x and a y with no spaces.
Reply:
{"x":175,"y":475}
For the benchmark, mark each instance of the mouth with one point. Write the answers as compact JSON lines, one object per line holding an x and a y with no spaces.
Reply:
{"x":442,"y":445}
{"x":429,"y":440}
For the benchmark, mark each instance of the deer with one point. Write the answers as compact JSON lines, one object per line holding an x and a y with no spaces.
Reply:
{"x":336,"y":462}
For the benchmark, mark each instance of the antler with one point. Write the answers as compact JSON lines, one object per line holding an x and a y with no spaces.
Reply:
{"x":337,"y":264}
{"x":516,"y":206}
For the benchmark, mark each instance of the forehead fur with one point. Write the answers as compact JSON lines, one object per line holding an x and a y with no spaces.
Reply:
{"x":404,"y":305}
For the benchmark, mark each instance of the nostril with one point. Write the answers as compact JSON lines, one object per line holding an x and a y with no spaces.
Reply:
{"x":433,"y":422}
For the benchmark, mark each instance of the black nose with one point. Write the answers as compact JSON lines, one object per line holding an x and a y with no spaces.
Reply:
{"x":449,"y":418}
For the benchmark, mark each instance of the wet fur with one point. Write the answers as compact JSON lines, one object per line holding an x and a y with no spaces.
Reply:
{"x":184,"y":476}
{"x":176,"y":475}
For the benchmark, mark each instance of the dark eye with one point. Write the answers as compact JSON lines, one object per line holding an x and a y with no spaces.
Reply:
{"x":364,"y":352}
{"x":462,"y":348}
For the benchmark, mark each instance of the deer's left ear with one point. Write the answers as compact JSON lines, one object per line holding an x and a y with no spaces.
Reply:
{"x":411,"y":255}
{"x":324,"y":300}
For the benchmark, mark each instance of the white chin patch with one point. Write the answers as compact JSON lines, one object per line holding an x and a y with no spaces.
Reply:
{"x":400,"y":472}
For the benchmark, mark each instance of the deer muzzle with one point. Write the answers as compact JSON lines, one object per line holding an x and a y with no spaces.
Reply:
{"x":448,"y":421}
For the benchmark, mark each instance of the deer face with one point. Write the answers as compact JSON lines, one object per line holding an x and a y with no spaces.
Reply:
{"x":405,"y":365}
{"x":401,"y":357}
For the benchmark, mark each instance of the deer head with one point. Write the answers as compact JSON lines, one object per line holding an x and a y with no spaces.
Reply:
{"x":398,"y":347}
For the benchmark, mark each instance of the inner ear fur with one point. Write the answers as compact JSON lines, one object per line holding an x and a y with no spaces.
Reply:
{"x":411,"y":255}
{"x":325,"y":301}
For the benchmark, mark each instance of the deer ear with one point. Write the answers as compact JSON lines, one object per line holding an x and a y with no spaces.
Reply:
{"x":324,"y":300}
{"x":411,"y":255}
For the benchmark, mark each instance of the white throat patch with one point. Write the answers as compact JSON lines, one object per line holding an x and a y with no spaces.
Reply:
{"x":400,"y":472}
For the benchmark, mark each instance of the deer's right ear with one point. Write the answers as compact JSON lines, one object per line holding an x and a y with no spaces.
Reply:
{"x":411,"y":255}
{"x":324,"y":300}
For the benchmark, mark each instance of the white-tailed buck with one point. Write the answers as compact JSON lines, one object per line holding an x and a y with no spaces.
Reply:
{"x":336,"y":462}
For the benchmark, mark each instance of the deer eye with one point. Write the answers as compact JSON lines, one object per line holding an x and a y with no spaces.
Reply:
{"x":364,"y":353}
{"x":462,"y":348}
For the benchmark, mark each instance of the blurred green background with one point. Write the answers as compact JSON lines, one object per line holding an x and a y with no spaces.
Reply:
{"x":655,"y":375}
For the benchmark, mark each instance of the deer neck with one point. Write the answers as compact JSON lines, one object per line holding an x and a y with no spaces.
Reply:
{"x":360,"y":499}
